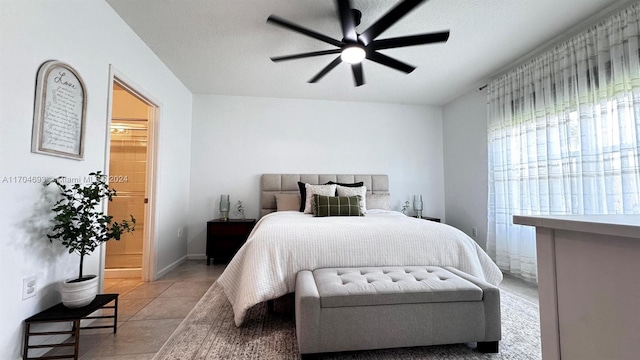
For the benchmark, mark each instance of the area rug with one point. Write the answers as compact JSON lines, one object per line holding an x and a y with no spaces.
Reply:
{"x":209,"y":332}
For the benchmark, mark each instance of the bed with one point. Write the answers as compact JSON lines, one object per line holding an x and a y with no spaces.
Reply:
{"x":285,"y":242}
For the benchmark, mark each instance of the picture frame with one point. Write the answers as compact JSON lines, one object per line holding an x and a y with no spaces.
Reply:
{"x":59,"y":117}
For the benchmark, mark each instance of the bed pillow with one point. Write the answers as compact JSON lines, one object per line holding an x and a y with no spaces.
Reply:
{"x":358,"y":184}
{"x":327,"y":190}
{"x":287,"y":202}
{"x":303,"y":190}
{"x":336,"y":205}
{"x":354,"y":191}
{"x":303,"y":195}
{"x":379,"y":201}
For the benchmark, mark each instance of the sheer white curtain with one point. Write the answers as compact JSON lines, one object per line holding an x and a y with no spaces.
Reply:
{"x":563,"y":137}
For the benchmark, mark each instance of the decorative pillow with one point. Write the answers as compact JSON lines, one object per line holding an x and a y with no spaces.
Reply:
{"x":327,"y":190}
{"x":379,"y":201}
{"x":287,"y":202}
{"x":358,"y":184}
{"x":303,"y":195}
{"x":336,"y":205}
{"x":303,"y":191}
{"x":354,"y":191}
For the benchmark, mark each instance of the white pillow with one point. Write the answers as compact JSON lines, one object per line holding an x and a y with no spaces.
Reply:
{"x":379,"y":201}
{"x":353,"y":191}
{"x":326,"y":190}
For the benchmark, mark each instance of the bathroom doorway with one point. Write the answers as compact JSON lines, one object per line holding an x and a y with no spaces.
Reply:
{"x":131,"y":155}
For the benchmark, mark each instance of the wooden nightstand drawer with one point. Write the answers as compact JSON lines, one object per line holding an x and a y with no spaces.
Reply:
{"x":224,"y":238}
{"x":231,"y":228}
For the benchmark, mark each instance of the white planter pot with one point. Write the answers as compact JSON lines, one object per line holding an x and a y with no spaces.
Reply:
{"x":77,"y":294}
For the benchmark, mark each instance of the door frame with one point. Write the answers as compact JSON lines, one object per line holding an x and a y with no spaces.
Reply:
{"x":149,"y":251}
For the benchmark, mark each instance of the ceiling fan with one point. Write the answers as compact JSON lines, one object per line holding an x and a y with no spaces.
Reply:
{"x":354,"y":47}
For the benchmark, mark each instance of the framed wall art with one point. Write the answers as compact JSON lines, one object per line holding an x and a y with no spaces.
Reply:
{"x":60,"y":111}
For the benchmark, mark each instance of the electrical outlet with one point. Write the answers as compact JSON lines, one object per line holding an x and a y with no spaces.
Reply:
{"x":179,"y":233}
{"x":29,"y":287}
{"x":474,"y":231}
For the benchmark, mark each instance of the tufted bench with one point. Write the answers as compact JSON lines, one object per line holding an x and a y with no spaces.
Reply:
{"x":348,"y":309}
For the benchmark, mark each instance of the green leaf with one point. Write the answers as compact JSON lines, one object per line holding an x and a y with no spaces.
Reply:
{"x":79,"y":225}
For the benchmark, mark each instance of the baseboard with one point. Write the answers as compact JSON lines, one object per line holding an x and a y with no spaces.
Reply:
{"x":196,"y":257}
{"x":122,"y":273}
{"x":171,"y":266}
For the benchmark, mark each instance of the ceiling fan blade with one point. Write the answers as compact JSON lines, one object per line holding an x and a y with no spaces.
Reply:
{"x":305,"y":55}
{"x":390,"y":62}
{"x":346,"y":21}
{"x":409,"y":40}
{"x":326,"y":69}
{"x":388,"y":19}
{"x":297,"y":28}
{"x":358,"y":76}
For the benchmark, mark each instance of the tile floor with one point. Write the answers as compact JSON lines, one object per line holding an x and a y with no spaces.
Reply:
{"x":150,"y":312}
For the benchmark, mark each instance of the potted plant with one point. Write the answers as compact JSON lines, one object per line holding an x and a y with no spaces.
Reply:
{"x":405,"y":206}
{"x":82,"y":227}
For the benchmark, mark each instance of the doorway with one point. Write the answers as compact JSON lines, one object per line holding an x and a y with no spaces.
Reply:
{"x":131,"y":159}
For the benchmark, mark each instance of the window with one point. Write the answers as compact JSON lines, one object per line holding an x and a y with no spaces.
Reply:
{"x":563,"y":137}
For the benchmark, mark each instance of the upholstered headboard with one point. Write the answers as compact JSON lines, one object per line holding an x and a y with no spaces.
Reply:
{"x":272,"y":184}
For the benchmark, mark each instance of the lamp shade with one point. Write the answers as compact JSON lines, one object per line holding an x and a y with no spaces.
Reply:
{"x":224,"y":207}
{"x":224,"y":203}
{"x":417,"y":205}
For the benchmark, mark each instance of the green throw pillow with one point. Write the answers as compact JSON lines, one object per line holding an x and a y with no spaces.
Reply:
{"x":336,"y":205}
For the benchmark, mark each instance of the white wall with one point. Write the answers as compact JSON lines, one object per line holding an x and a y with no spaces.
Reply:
{"x":235,"y":139}
{"x":88,"y":35}
{"x":465,"y":163}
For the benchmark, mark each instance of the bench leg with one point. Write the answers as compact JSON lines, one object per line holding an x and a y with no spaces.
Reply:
{"x":488,"y":347}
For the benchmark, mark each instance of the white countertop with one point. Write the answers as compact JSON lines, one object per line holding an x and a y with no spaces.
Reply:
{"x":616,"y":225}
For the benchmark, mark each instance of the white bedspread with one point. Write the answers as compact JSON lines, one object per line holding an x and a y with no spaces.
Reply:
{"x":284,"y":243}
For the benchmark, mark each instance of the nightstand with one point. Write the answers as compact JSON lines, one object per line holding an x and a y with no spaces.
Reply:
{"x":224,"y":238}
{"x":430,"y":218}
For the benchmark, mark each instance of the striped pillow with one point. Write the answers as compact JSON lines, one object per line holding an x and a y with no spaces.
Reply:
{"x":336,"y":205}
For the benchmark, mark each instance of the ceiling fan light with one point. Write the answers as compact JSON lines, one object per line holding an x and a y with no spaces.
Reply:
{"x":353,"y":54}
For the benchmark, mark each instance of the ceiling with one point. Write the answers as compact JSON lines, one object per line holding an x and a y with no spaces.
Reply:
{"x":223,"y":47}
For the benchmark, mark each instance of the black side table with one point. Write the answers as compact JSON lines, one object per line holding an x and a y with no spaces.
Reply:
{"x":60,"y":313}
{"x":430,"y":218}
{"x":224,"y":238}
